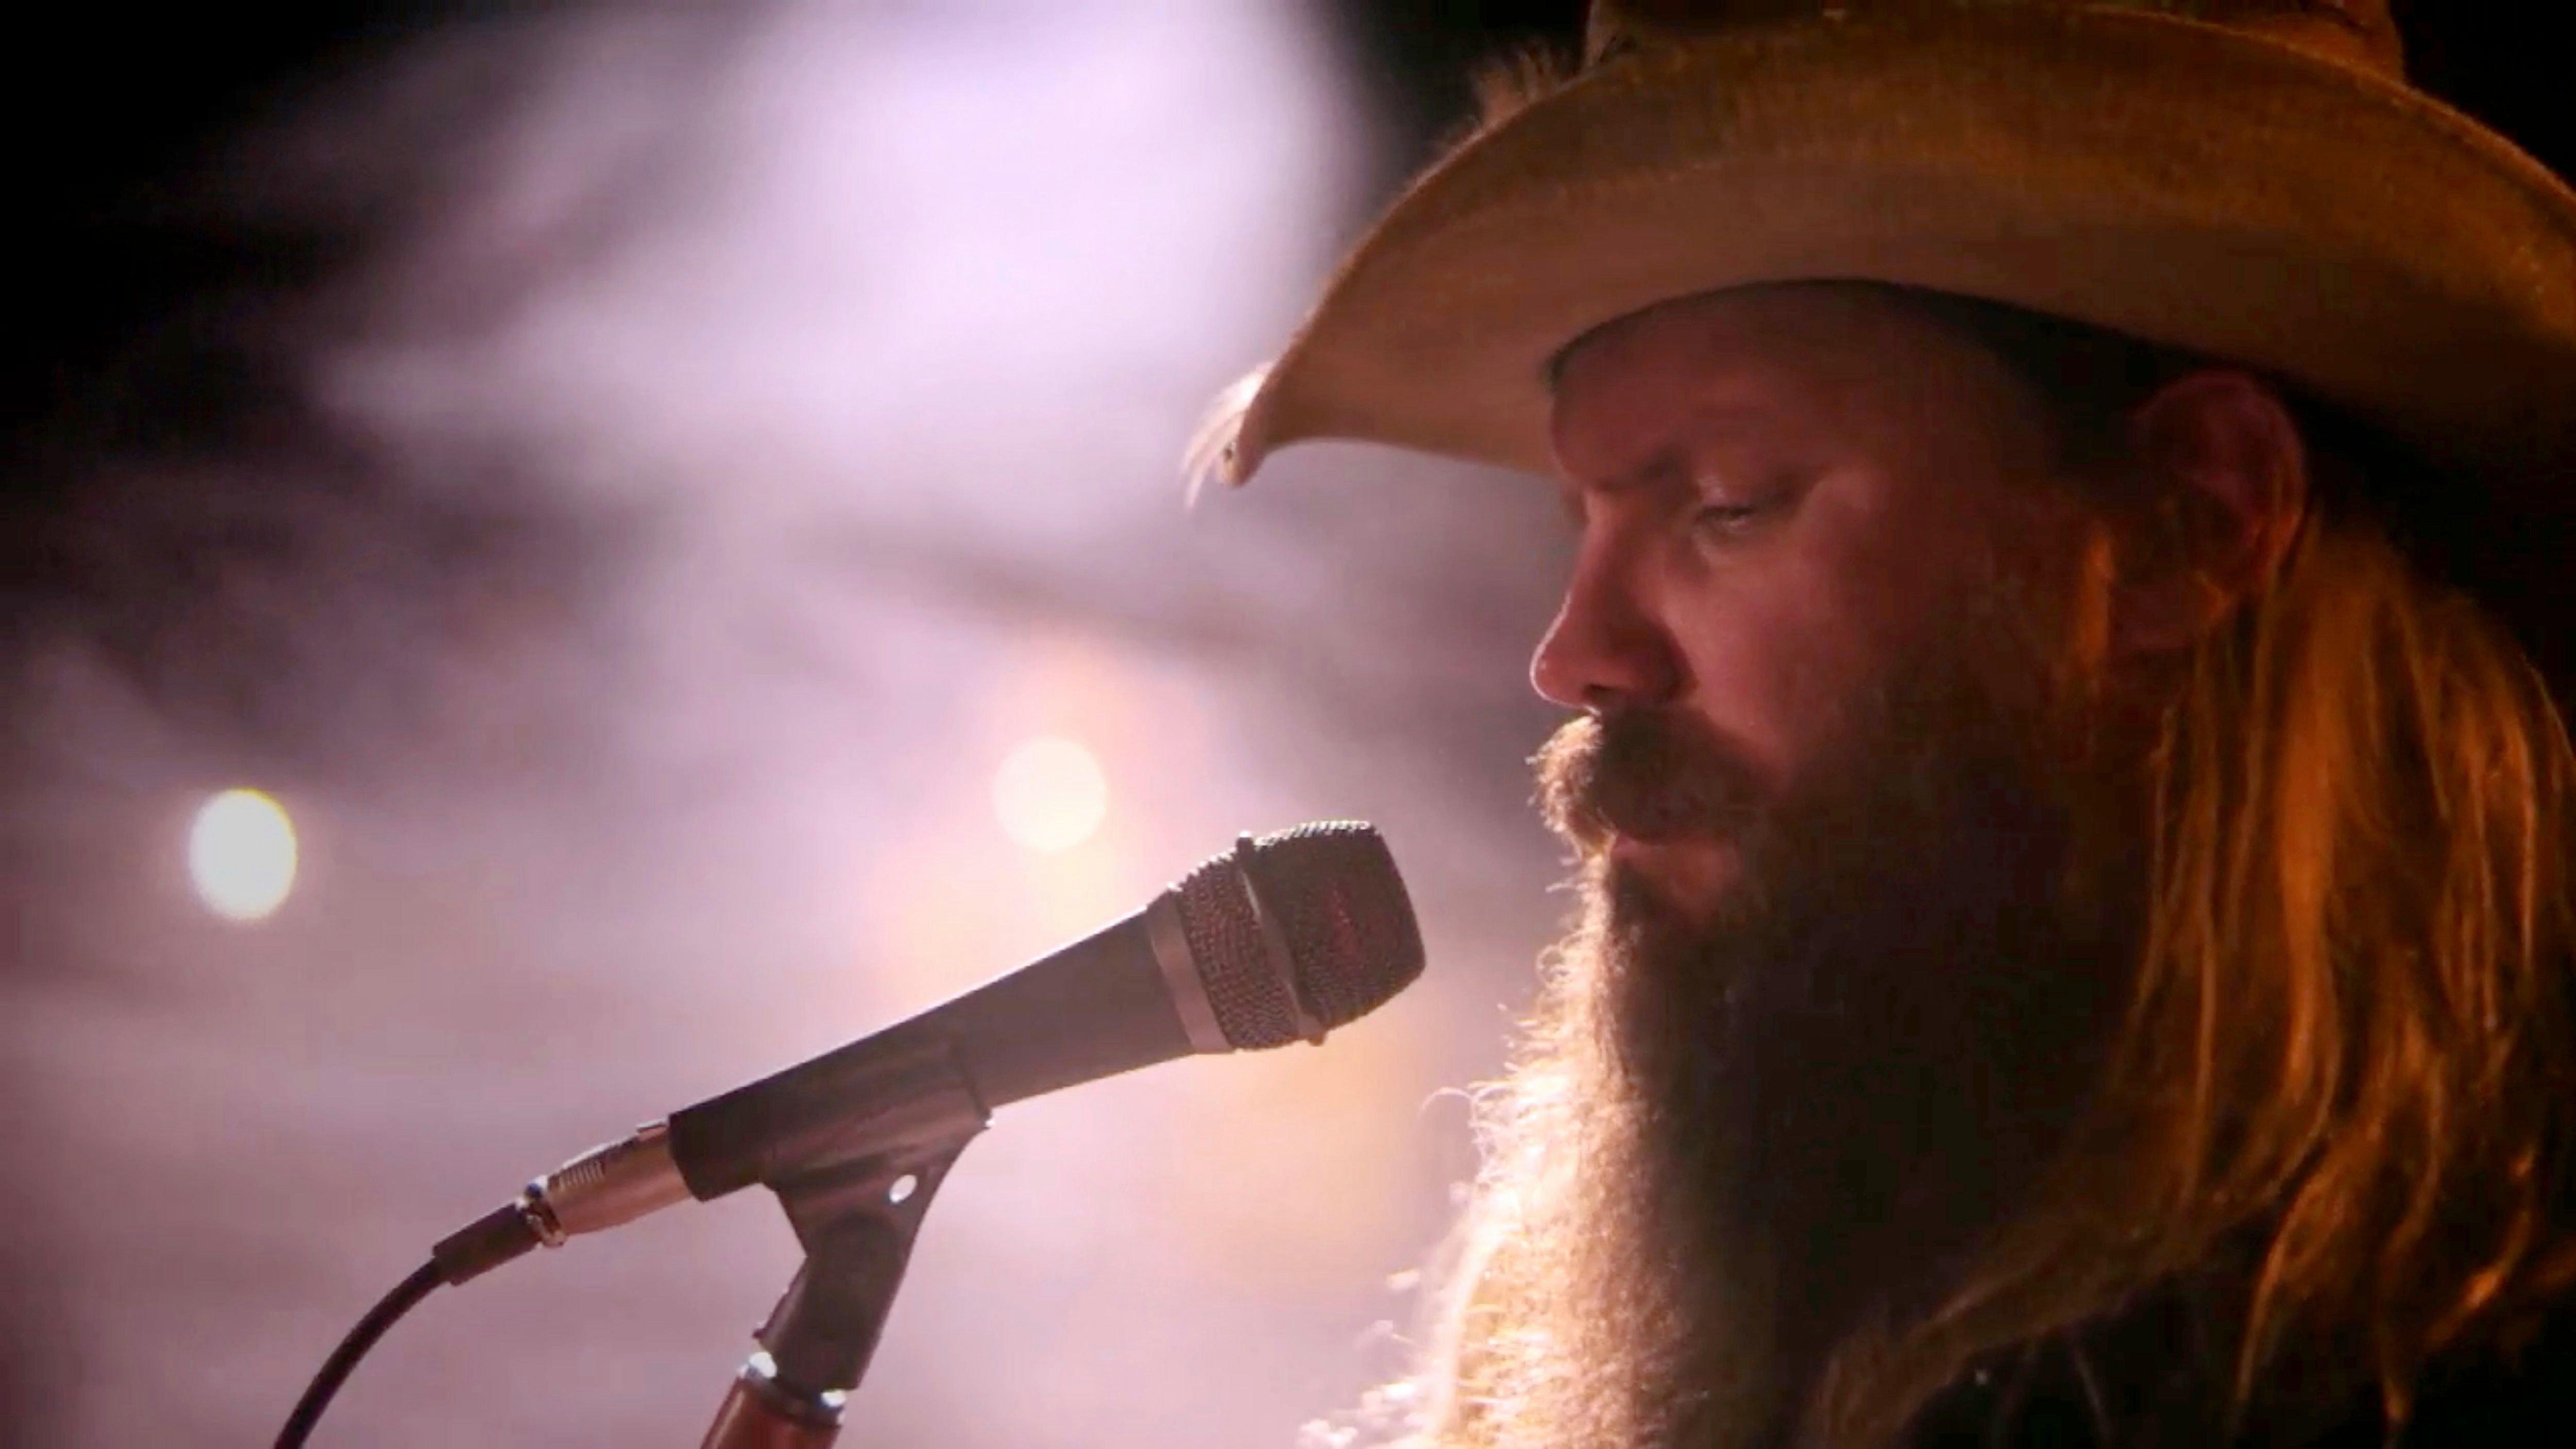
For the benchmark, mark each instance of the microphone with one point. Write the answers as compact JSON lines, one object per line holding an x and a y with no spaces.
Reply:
{"x":1289,"y":936}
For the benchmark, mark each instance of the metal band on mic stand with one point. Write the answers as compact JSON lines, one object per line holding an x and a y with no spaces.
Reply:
{"x":1274,"y":943}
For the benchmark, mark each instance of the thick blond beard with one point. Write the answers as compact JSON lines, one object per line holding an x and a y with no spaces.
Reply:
{"x":1558,"y":1338}
{"x":1728,"y":1142}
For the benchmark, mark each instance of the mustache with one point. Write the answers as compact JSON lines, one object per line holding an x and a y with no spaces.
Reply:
{"x":1648,"y":774}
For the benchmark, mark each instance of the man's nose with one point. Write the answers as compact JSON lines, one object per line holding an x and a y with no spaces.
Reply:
{"x":1606,"y":651}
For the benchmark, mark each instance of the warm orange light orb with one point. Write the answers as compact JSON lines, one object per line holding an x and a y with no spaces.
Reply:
{"x":241,"y":855}
{"x":1050,"y":794}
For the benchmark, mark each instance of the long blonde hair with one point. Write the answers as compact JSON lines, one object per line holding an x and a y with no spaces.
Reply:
{"x":2350,"y":1032}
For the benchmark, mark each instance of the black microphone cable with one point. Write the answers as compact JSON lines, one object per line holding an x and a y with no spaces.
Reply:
{"x":335,"y":1369}
{"x":477,"y":1248}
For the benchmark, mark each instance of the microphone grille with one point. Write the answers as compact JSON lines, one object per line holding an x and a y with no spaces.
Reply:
{"x":1341,"y":909}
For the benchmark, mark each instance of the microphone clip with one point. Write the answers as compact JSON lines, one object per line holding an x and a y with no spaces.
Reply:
{"x":856,"y":1221}
{"x":855,"y":1191}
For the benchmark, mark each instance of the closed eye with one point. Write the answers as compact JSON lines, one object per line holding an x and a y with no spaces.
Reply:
{"x":1727,"y":520}
{"x":1728,"y":517}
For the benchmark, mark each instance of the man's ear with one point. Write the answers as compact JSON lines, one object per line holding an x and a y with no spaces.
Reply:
{"x":2225,"y":478}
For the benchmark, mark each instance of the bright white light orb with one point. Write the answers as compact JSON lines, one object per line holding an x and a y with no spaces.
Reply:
{"x":241,"y":854}
{"x":1050,"y":794}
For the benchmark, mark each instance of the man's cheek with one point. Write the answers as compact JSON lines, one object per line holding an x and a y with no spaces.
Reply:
{"x":1762,"y":674}
{"x":1794,"y":695}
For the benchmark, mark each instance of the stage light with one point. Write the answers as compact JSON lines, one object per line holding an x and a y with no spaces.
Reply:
{"x":241,"y":854}
{"x":1050,"y":794}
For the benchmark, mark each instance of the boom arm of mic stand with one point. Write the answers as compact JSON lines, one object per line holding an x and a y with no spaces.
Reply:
{"x":856,"y":1222}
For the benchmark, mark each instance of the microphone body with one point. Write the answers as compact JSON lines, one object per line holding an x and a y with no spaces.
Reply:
{"x":1122,"y":998}
{"x":1284,"y":938}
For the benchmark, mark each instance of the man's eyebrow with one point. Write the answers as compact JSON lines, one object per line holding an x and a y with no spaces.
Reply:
{"x":1712,"y":420}
{"x":1665,"y":463}
{"x":1662,"y":464}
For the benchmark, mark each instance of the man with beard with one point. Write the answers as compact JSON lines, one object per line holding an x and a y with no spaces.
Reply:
{"x":2072,"y":814}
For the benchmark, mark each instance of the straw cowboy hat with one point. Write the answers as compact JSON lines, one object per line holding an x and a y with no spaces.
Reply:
{"x":2250,"y":180}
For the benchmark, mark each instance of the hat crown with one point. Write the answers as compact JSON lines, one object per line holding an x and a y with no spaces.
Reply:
{"x":2356,"y":33}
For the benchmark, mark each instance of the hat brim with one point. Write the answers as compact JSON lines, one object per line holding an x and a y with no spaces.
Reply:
{"x":2166,"y":178}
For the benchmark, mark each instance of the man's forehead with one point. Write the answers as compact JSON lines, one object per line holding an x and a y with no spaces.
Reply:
{"x":1746,"y":363}
{"x":1679,"y":374}
{"x":1640,"y":441}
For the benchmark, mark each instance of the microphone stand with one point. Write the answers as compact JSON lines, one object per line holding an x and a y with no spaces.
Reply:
{"x":857,"y":1223}
{"x":855,"y":1185}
